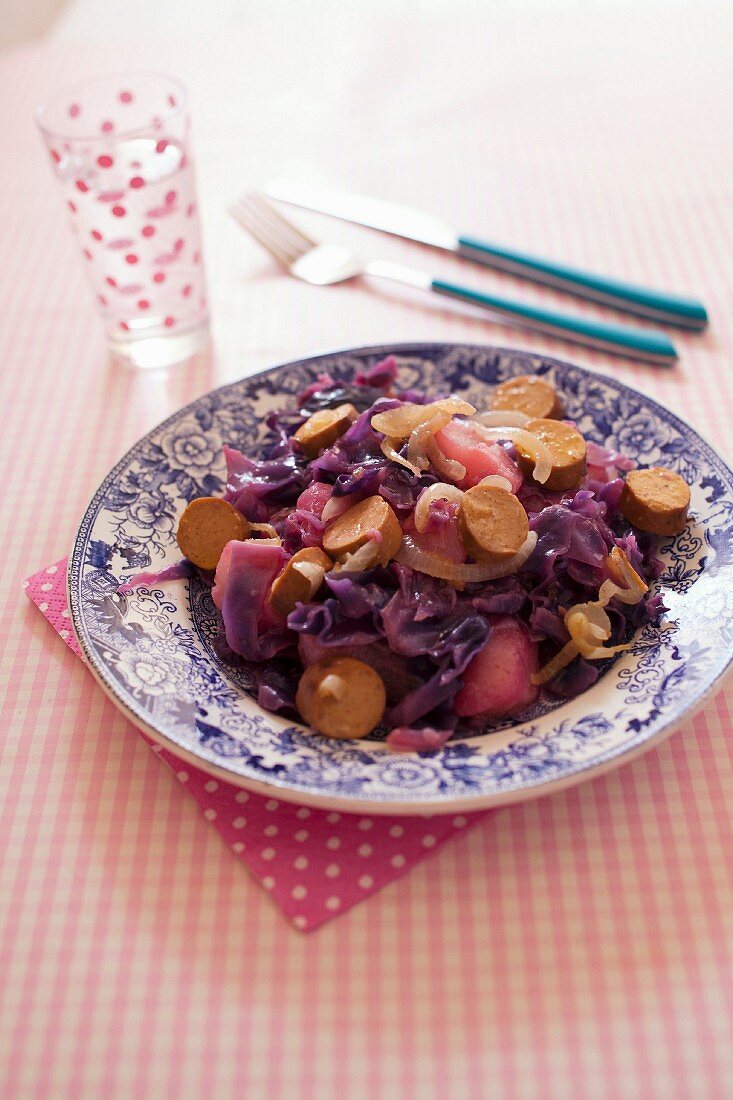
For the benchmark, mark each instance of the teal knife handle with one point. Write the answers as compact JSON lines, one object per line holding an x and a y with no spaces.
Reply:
{"x":657,"y":305}
{"x":637,"y":343}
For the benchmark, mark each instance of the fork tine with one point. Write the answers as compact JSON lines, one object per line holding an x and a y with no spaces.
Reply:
{"x":292,"y":249}
{"x":287,"y":228}
{"x":265,"y":242}
{"x":242,"y":215}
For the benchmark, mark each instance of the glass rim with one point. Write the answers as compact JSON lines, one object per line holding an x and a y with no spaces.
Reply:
{"x":117,"y":135}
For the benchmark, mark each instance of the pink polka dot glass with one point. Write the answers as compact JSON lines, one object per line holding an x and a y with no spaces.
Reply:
{"x":120,"y":149}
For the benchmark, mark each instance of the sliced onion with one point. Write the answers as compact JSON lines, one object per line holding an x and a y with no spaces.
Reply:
{"x":389,"y":451}
{"x":497,"y":481}
{"x":501,"y":418}
{"x":269,"y":530}
{"x":313,"y":573}
{"x":335,"y":506}
{"x":538,"y":451}
{"x":401,"y":422}
{"x":439,"y":491}
{"x":435,"y":565}
{"x":446,"y":467}
{"x":634,"y":586}
{"x":277,"y":541}
{"x":417,"y":447}
{"x":589,"y":626}
{"x":363,"y":558}
{"x":560,"y":661}
{"x":311,"y":570}
{"x":332,"y":686}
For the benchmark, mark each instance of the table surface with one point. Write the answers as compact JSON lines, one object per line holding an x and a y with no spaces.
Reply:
{"x":577,"y":946}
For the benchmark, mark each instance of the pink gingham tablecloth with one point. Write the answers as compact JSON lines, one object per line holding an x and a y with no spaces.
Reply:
{"x":315,"y":863}
{"x":577,"y":946}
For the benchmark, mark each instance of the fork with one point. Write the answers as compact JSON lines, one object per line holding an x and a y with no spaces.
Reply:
{"x":327,"y":264}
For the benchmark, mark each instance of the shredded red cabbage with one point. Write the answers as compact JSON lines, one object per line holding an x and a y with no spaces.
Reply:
{"x":423,"y":636}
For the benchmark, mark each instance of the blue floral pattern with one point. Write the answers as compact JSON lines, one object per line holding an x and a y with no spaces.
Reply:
{"x":154,"y":649}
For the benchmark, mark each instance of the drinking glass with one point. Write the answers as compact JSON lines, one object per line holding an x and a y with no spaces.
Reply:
{"x":120,"y":148}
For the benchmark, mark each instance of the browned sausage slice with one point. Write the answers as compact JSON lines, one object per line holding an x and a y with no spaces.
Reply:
{"x":341,"y":697}
{"x":656,"y":500}
{"x":567,"y":449}
{"x":352,"y":529}
{"x":205,"y":528}
{"x":528,"y":394}
{"x":492,"y":522}
{"x":296,"y":584}
{"x":324,"y":427}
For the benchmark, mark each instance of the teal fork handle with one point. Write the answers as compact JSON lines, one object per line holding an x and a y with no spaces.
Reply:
{"x":657,"y":305}
{"x":648,"y":345}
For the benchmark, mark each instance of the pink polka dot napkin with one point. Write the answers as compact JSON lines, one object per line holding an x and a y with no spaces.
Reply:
{"x":314,"y":863}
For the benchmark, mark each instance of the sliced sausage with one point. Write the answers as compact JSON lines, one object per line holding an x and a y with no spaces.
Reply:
{"x":396,"y":671}
{"x":323,"y":428}
{"x":341,"y":697}
{"x":567,"y":448}
{"x":528,"y":394}
{"x":372,"y":518}
{"x":493,"y":523}
{"x":205,"y":528}
{"x":656,"y":500}
{"x":296,"y":584}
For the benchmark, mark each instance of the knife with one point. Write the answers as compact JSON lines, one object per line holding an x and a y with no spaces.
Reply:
{"x":402,"y":221}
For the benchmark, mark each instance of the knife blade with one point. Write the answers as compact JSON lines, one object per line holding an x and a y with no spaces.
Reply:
{"x":403,"y":221}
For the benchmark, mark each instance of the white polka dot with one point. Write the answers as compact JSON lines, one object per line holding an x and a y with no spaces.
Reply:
{"x":268,"y":882}
{"x":183,"y":776}
{"x":429,"y":841}
{"x":24,"y":584}
{"x":301,"y":835}
{"x":52,"y":569}
{"x":210,"y":814}
{"x":365,"y":824}
{"x":333,"y":902}
{"x":153,"y":748}
{"x":65,"y":613}
{"x":211,"y":786}
{"x":303,"y":813}
{"x":365,"y":850}
{"x":300,"y":863}
{"x":63,"y":633}
{"x":459,"y":821}
{"x":238,"y":846}
{"x":241,"y":796}
{"x":272,"y":804}
{"x":333,"y":870}
{"x":333,"y":818}
{"x":239,"y":822}
{"x":333,"y":843}
{"x":366,"y":881}
{"x":268,"y":853}
{"x":271,"y":830}
{"x":43,"y":607}
{"x":300,"y":922}
{"x":46,"y":587}
{"x":299,"y":892}
{"x":397,"y":831}
{"x":397,"y":861}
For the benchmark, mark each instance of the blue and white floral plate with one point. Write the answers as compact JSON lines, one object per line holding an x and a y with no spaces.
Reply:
{"x":152,"y":651}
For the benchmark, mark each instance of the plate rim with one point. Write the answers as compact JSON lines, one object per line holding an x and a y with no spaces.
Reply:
{"x":451,"y":803}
